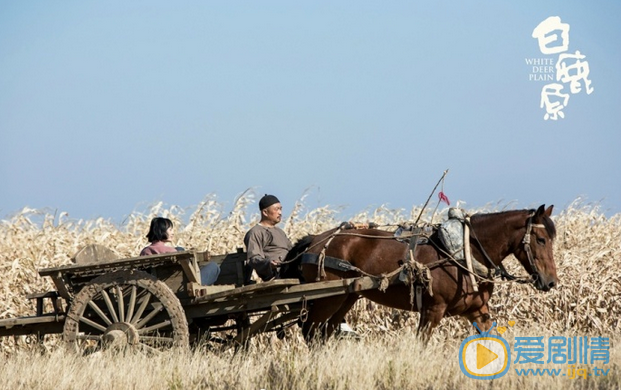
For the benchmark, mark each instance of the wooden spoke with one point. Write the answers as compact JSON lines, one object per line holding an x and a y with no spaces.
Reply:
{"x":146,"y":315}
{"x":132,"y":303}
{"x":99,"y":312}
{"x":154,"y":327}
{"x":141,"y":308}
{"x":149,"y":317}
{"x":106,"y":298}
{"x":121,"y":303}
{"x":93,"y":324}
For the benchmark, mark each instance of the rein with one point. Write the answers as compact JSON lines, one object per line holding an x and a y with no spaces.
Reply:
{"x":339,"y":232}
{"x":526,"y":242}
{"x":498,"y":270}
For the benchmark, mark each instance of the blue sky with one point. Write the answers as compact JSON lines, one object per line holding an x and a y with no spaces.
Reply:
{"x":108,"y":107}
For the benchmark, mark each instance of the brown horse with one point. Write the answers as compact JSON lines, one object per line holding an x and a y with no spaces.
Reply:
{"x":527,"y":234}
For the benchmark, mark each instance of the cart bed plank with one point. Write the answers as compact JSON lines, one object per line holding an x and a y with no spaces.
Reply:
{"x":251,"y":289}
{"x":294,"y":294}
{"x":31,"y":325}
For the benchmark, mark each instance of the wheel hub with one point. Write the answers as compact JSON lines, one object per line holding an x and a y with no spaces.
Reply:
{"x":120,"y":334}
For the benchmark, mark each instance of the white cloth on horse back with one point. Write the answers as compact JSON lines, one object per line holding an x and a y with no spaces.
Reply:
{"x":265,"y":244}
{"x":451,"y":233}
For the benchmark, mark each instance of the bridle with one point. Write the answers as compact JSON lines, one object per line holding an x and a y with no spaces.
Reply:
{"x":499,"y":270}
{"x":526,"y":241}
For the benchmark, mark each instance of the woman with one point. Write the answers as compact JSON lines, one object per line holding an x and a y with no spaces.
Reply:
{"x":161,"y":232}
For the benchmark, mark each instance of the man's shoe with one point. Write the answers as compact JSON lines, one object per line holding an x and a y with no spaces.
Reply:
{"x":345,"y":331}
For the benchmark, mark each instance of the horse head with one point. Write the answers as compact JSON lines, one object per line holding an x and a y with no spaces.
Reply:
{"x":535,"y":251}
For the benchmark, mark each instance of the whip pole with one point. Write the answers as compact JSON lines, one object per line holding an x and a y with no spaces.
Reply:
{"x":430,"y":195}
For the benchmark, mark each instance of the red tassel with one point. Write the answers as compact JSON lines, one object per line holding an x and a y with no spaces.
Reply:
{"x":443,"y":198}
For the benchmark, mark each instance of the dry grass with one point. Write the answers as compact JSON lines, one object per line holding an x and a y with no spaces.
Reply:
{"x":392,"y":361}
{"x":585,"y":303}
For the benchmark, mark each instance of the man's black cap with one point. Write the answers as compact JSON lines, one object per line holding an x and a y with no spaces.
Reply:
{"x":267,"y":201}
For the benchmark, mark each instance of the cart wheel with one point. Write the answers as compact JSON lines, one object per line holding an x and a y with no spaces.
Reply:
{"x":125,"y":309}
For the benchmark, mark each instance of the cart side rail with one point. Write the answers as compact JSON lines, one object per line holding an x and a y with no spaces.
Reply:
{"x":96,"y":269}
{"x":68,"y":279}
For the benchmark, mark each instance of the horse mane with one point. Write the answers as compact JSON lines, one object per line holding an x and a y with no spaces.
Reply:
{"x":547,"y":221}
{"x":550,"y":228}
{"x":291,"y":266}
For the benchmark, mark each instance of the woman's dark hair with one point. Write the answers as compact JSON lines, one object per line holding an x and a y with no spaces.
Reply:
{"x":157,"y":231}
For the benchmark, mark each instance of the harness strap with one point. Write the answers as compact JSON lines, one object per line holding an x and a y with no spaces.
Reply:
{"x":416,"y":290}
{"x":481,"y":247}
{"x":468,"y":254}
{"x":498,"y":270}
{"x":345,"y":266}
{"x":526,"y":241}
{"x":322,"y":255}
{"x":329,"y":262}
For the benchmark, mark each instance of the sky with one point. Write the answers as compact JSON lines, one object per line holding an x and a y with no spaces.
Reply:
{"x":109,"y":107}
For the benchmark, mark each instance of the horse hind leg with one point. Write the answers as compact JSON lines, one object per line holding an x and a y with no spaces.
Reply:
{"x":337,"y":318}
{"x":429,"y":318}
{"x":482,"y":317}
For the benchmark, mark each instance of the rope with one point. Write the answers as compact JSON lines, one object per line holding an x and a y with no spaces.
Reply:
{"x":347,"y":234}
{"x":436,"y":263}
{"x":331,"y":236}
{"x":385,"y":278}
{"x":417,"y":274}
{"x":454,"y":261}
{"x":404,"y":236}
{"x":322,"y":256}
{"x":430,"y":195}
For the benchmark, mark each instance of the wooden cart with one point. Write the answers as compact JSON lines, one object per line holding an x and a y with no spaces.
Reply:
{"x":157,"y":302}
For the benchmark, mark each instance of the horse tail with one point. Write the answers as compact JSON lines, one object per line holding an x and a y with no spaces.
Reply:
{"x":293,"y":260}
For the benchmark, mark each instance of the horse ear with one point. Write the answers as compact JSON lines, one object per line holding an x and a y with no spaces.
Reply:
{"x":541,"y":210}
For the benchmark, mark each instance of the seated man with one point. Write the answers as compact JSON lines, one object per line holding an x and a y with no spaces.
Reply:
{"x":267,"y":244}
{"x":161,"y":232}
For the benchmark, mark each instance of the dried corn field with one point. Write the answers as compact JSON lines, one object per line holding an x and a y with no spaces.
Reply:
{"x":587,"y":250}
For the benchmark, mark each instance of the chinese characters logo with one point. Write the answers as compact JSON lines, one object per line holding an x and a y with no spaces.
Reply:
{"x":486,"y":356}
{"x":570,"y":69}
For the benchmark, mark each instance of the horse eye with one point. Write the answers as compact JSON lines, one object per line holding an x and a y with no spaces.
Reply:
{"x":541,"y":241}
